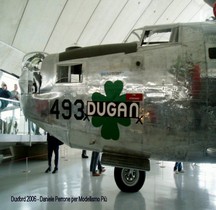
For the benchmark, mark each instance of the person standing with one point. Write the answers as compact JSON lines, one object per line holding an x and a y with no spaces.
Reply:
{"x":52,"y":146}
{"x":4,"y":93}
{"x":84,"y":155}
{"x":15,"y":93}
{"x":95,"y":162}
{"x":178,"y":167}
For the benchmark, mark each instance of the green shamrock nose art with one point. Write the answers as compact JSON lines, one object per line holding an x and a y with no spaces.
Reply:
{"x":109,"y":111}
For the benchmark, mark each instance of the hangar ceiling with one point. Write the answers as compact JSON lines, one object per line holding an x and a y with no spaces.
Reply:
{"x":53,"y":25}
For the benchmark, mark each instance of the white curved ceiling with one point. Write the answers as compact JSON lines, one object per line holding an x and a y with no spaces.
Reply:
{"x":53,"y":25}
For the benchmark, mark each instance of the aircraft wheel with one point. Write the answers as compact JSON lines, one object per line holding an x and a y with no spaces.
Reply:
{"x":129,"y":180}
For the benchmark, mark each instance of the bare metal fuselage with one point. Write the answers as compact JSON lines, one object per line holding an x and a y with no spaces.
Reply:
{"x":151,"y":101}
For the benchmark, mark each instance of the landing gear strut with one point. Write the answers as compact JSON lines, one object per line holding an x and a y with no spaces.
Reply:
{"x":129,"y":180}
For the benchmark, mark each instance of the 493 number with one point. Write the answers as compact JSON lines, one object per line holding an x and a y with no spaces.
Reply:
{"x":64,"y":109}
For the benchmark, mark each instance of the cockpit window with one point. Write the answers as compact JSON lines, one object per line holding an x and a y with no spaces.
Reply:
{"x":62,"y":74}
{"x":69,"y":74}
{"x":135,"y":36}
{"x":212,"y":53}
{"x":160,"y":36}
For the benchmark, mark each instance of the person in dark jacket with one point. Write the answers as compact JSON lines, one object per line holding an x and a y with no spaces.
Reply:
{"x":53,"y":146}
{"x":4,"y":93}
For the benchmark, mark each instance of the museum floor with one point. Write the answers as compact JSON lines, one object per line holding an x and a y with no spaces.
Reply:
{"x":163,"y":190}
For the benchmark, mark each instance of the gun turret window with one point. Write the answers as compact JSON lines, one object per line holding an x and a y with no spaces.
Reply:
{"x":69,"y":73}
{"x":135,"y":36}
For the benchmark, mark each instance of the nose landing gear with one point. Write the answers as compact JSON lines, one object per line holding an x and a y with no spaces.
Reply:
{"x":129,"y":180}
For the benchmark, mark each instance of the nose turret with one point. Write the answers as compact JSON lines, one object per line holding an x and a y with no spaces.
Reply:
{"x":30,"y":79}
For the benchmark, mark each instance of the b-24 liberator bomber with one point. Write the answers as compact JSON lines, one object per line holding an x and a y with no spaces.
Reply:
{"x":152,"y":97}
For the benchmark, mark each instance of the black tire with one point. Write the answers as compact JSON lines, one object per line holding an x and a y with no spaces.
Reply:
{"x":129,"y":180}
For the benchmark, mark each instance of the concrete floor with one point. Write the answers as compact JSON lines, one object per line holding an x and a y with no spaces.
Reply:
{"x":163,"y":190}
